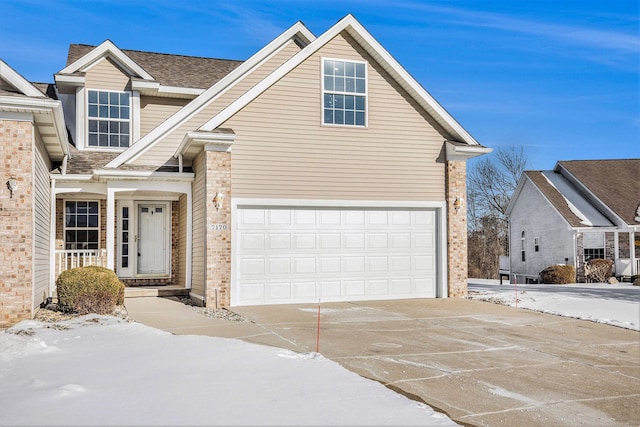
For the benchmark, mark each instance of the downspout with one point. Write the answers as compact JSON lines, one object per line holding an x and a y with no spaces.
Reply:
{"x":63,"y":168}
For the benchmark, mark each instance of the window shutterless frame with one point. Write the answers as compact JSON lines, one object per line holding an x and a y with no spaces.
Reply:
{"x":344,"y":97}
{"x":108,"y":119}
{"x":81,"y":224}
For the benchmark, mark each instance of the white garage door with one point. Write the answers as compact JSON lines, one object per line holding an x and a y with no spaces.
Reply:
{"x":298,"y":255}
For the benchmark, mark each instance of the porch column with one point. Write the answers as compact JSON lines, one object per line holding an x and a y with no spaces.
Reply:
{"x":111,"y":227}
{"x":632,"y":252}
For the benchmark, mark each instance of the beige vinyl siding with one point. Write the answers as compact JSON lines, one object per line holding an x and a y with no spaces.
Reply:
{"x":283,"y":150}
{"x":105,"y":74}
{"x":199,"y":226}
{"x":182,"y":243}
{"x":164,"y":150}
{"x":155,"y":110}
{"x":41,"y":224}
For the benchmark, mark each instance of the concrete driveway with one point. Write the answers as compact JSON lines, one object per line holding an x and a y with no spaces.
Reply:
{"x":480,"y":363}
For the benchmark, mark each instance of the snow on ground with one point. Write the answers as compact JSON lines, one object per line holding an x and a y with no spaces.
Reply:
{"x":102,"y":370}
{"x":617,"y":305}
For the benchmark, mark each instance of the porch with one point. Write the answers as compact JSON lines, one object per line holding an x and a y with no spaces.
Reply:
{"x":136,"y":230}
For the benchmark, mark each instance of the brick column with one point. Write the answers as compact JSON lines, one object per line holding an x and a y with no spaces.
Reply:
{"x":16,"y":219}
{"x":456,"y":188}
{"x":218,"y":241}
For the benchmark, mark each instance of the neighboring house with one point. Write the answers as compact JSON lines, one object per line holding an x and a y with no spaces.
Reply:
{"x":583,"y":209}
{"x":318,"y":169}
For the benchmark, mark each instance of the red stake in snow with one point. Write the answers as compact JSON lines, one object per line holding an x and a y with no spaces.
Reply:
{"x":318,"y":334}
{"x":515,"y":282}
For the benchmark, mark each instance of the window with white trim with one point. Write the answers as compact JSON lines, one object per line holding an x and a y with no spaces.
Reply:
{"x":109,"y":116}
{"x":522,"y":247}
{"x":593,"y":244}
{"x":344,"y":91}
{"x":81,"y":225}
{"x":536,"y":244}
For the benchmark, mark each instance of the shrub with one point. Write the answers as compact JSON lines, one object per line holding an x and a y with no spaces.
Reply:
{"x":635,"y":279}
{"x":598,"y":270}
{"x":558,"y":274}
{"x":89,"y":290}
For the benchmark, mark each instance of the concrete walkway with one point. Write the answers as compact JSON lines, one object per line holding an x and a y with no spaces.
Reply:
{"x":482,"y":364}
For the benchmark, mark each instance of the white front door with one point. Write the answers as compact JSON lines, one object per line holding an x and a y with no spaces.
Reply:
{"x":152,"y":241}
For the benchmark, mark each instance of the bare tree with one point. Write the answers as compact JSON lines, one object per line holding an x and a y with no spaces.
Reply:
{"x":491,"y":183}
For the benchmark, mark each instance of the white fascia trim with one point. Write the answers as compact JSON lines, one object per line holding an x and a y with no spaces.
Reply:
{"x":69,"y":80}
{"x":16,"y":80}
{"x":180,"y":90}
{"x":465,"y":152}
{"x":41,"y":105}
{"x":70,"y":177}
{"x":146,"y":175}
{"x":106,"y":48}
{"x":222,"y":140}
{"x":145,"y":85}
{"x":210,"y":94}
{"x":240,"y":202}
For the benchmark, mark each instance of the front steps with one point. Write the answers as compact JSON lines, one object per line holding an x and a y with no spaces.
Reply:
{"x":155,"y":291}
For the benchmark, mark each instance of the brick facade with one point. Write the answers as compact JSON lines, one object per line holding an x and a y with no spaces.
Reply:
{"x":16,"y":217}
{"x":218,"y":241}
{"x":456,"y":188}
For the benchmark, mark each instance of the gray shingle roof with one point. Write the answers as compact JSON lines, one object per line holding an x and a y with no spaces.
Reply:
{"x":615,"y":182}
{"x":171,"y":70}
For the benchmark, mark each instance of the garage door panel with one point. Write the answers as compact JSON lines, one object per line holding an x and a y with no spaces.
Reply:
{"x":305,"y":291}
{"x":354,"y":288}
{"x":304,"y":241}
{"x":279,"y":266}
{"x":279,"y":241}
{"x":287,"y":255}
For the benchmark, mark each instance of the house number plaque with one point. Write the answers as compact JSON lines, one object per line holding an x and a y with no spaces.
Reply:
{"x":218,"y":227}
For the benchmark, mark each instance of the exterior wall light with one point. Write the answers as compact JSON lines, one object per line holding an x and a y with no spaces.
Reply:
{"x":12,"y":185}
{"x":217,"y":200}
{"x":457,"y":203}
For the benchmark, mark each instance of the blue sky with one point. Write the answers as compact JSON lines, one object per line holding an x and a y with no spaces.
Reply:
{"x":560,"y":78}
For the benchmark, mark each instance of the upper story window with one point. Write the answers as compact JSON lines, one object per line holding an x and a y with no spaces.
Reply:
{"x":109,"y":119}
{"x":344,"y":92}
{"x":523,"y":255}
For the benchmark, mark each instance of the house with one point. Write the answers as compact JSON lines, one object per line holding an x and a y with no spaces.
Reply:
{"x":581,"y":210}
{"x":318,"y":169}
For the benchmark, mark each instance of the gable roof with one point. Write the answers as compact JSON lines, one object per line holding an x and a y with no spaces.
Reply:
{"x":19,"y":83}
{"x":566,"y":199}
{"x":360,"y":35}
{"x":170,"y":70}
{"x":616,"y":183}
{"x":590,"y":193}
{"x":298,"y":32}
{"x":47,"y":113}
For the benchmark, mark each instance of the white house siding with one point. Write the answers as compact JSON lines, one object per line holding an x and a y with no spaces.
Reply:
{"x":41,"y":223}
{"x":199,"y":227}
{"x":282,"y":149}
{"x":537,"y":218}
{"x":165,"y":149}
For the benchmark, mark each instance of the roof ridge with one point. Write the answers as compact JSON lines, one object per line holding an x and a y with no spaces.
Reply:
{"x":163,"y":53}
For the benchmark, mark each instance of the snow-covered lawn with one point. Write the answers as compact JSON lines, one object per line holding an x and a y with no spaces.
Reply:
{"x":617,"y":305}
{"x":102,"y":370}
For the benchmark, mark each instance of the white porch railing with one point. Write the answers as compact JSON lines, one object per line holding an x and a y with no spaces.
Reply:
{"x":68,"y":259}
